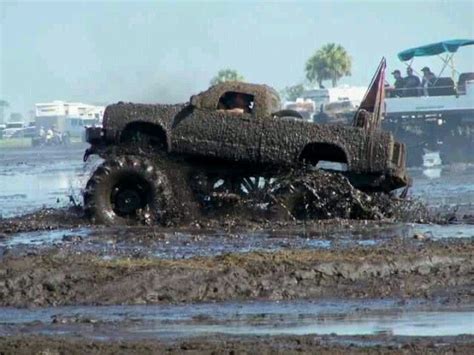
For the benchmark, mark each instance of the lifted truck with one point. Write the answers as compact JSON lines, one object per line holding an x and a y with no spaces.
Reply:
{"x":232,"y":137}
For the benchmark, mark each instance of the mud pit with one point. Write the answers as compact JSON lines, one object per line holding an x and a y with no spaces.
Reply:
{"x":54,"y":257}
{"x":401,"y":269}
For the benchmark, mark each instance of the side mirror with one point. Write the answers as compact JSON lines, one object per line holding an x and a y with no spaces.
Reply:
{"x":194,"y":101}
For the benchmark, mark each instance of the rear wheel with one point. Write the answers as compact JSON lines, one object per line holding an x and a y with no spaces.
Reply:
{"x":127,"y":190}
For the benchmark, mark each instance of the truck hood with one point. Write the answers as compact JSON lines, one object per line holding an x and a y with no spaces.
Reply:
{"x":117,"y":116}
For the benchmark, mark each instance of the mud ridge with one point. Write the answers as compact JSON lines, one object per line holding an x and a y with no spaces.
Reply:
{"x":428,"y":270}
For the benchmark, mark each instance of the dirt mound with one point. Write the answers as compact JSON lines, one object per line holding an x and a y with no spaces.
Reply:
{"x":402,"y":269}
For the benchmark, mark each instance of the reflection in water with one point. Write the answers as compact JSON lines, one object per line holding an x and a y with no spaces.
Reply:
{"x":22,"y":193}
{"x":431,"y":159}
{"x":411,"y":324}
{"x":31,"y":180}
{"x":454,"y":187}
{"x":436,"y":231}
{"x":433,"y":173}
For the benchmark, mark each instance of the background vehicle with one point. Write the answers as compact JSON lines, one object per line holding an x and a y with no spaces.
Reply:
{"x":12,"y":128}
{"x":440,"y":118}
{"x":27,"y":132}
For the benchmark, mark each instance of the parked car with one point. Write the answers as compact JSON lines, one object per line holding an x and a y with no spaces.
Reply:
{"x":28,"y":132}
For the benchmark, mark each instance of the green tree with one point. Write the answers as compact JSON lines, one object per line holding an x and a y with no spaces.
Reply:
{"x":330,"y":62}
{"x":291,"y":93}
{"x":3,"y":105}
{"x":226,"y":75}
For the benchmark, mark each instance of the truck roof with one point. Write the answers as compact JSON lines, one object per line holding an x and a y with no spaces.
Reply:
{"x":267,"y":97}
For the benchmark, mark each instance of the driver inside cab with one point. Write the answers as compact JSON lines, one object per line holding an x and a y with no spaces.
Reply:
{"x":235,"y":102}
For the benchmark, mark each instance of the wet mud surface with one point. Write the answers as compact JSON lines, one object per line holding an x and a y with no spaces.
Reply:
{"x":409,"y":269}
{"x":310,"y":344}
{"x":45,"y":219}
{"x":301,"y":326}
{"x":52,"y":257}
{"x":32,"y":179}
{"x":185,"y":243}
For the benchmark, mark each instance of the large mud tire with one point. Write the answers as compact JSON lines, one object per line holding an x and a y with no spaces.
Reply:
{"x":127,"y":191}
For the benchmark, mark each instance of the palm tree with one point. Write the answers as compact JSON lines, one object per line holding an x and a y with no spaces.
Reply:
{"x":226,"y":75}
{"x":3,"y":104}
{"x":291,"y":93}
{"x":330,"y":62}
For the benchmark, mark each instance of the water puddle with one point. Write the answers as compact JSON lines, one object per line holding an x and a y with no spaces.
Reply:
{"x":44,"y":237}
{"x":36,"y":178}
{"x":256,"y":318}
{"x":181,"y":245}
{"x":446,"y":186}
{"x":144,"y":242}
{"x":33,"y":179}
{"x":436,"y":231}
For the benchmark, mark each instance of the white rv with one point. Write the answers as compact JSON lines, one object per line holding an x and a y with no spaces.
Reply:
{"x":68,"y":117}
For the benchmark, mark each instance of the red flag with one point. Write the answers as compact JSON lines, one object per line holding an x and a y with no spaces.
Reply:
{"x":373,"y":100}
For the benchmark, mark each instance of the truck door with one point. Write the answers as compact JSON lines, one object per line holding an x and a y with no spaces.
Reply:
{"x":224,"y":132}
{"x":197,"y":132}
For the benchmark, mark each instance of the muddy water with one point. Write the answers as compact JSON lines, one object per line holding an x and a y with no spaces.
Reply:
{"x":43,"y":237}
{"x":40,"y":177}
{"x":33,"y":178}
{"x":115,"y":242}
{"x":445,"y":187}
{"x":338,"y":317}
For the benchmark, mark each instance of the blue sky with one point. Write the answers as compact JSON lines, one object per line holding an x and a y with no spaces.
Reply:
{"x":107,"y":51}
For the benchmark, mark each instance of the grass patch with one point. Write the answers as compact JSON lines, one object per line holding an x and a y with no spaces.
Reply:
{"x":26,"y":142}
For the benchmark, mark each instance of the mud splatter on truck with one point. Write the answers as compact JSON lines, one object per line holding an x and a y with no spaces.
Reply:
{"x":231,"y":140}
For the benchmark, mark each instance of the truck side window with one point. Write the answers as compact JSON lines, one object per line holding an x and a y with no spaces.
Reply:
{"x":236,"y":102}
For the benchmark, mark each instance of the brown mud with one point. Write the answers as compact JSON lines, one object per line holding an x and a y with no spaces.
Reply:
{"x":307,"y":344}
{"x":439,"y":271}
{"x":52,"y":219}
{"x":44,"y":219}
{"x":412,"y":269}
{"x":327,"y":195}
{"x":305,"y":199}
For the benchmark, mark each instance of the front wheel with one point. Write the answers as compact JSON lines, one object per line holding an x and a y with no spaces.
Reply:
{"x":127,"y":190}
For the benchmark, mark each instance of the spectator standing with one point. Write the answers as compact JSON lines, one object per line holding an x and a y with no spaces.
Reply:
{"x":399,"y":83}
{"x":428,"y":81}
{"x":412,"y":83}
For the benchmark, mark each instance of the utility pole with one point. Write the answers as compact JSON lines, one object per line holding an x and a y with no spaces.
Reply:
{"x":3,"y":104}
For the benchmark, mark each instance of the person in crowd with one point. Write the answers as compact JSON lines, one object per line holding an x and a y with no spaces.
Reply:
{"x":57,"y":136}
{"x":399,"y":84}
{"x":49,"y":135}
{"x":412,"y":83}
{"x":428,"y":80}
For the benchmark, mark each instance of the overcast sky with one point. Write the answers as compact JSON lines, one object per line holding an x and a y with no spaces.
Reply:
{"x":107,"y":51}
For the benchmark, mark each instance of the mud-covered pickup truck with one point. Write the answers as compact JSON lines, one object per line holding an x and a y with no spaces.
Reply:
{"x":233,"y":135}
